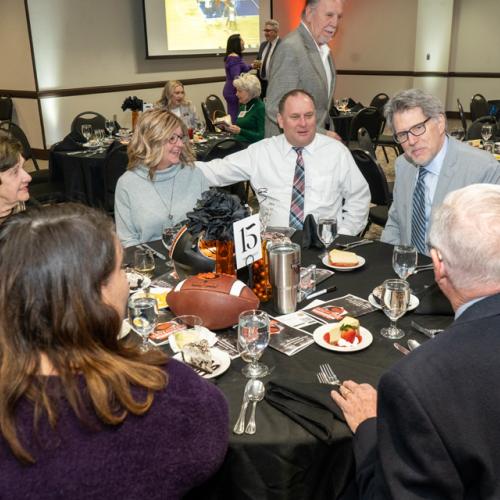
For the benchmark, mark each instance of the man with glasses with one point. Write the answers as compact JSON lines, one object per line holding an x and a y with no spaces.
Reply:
{"x":433,"y":164}
{"x":266,"y":52}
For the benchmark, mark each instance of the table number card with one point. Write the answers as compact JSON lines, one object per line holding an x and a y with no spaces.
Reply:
{"x":247,"y":243}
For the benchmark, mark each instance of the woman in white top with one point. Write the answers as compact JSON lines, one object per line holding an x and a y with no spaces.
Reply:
{"x":173,"y":99}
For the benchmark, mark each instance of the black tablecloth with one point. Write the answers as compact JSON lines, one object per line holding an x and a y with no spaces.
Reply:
{"x":342,"y":124}
{"x":283,"y":460}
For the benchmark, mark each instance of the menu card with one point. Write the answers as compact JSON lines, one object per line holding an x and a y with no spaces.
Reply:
{"x":334,"y":310}
{"x":228,"y":342}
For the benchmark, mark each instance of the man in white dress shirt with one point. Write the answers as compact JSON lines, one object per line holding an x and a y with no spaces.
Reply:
{"x":299,"y":172}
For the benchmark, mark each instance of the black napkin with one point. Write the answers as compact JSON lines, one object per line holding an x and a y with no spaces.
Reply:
{"x":310,"y":238}
{"x":308,"y":404}
{"x":433,"y":301}
{"x":72,"y":142}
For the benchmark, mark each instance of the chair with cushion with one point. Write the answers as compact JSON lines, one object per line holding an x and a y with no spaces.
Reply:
{"x":87,"y":117}
{"x":462,"y":116}
{"x":215,"y":106}
{"x":478,"y":107}
{"x":368,"y":118}
{"x":377,"y":182}
{"x":474,"y":131}
{"x":115,"y":165}
{"x":379,"y":101}
{"x":5,"y":108}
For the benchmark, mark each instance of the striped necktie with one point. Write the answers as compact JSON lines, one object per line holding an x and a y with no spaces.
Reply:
{"x":297,"y":204}
{"x":418,"y":222}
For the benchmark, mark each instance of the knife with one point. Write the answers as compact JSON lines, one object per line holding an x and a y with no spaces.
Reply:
{"x":400,"y":348}
{"x":153,"y":251}
{"x":348,"y":246}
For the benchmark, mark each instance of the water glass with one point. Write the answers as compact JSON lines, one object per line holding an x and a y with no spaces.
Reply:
{"x":144,"y":262}
{"x":327,"y":232}
{"x":404,"y":260}
{"x":86,"y":130}
{"x":143,"y":317}
{"x":253,"y":338}
{"x":168,"y":238}
{"x":199,"y":128}
{"x":109,"y":125}
{"x":395,"y":299}
{"x":486,"y":132}
{"x":458,"y":133}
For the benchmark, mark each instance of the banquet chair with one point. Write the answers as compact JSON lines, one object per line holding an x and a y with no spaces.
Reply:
{"x":5,"y":108}
{"x":381,"y":197}
{"x":462,"y":116}
{"x":87,"y":117}
{"x":215,"y":106}
{"x":115,"y":165}
{"x":208,"y":118}
{"x":368,"y":118}
{"x":474,"y":131}
{"x":379,"y":101}
{"x":478,"y":107}
{"x":365,"y":142}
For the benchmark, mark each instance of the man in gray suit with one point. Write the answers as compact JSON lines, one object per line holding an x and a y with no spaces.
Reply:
{"x":303,"y":60}
{"x":433,"y":164}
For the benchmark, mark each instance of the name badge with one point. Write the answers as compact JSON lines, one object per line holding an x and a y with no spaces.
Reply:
{"x":242,"y":114}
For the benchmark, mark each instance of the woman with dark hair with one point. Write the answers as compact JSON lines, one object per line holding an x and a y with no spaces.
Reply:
{"x":14,"y":179}
{"x":83,"y":414}
{"x":234,"y":66}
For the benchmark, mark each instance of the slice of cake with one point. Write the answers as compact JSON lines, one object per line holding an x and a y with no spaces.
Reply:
{"x":198,"y":355}
{"x":341,"y":258}
{"x":347,"y":330}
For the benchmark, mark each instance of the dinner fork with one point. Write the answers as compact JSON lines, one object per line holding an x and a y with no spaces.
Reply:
{"x":326,"y":375}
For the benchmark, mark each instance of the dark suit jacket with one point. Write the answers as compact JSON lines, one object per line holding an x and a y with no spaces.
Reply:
{"x":260,"y":55}
{"x":438,"y":427}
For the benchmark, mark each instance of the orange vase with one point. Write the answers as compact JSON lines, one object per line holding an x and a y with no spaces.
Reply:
{"x":224,"y":259}
{"x":135,"y":117}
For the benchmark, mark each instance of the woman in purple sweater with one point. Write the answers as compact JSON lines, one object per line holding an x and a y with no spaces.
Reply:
{"x":234,"y":65}
{"x":82,"y":414}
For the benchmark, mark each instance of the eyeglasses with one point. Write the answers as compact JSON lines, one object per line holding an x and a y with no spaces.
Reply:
{"x":416,"y":130}
{"x":267,"y":31}
{"x":176,"y":137}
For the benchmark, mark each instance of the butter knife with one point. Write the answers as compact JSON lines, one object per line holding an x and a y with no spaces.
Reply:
{"x":400,"y":348}
{"x":153,"y":251}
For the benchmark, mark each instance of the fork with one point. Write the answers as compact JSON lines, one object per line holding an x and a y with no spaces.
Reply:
{"x":328,"y":375}
{"x":353,"y":244}
{"x":430,"y":332}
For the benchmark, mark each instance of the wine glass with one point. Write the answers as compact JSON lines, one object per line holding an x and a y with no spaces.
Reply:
{"x":327,"y":232}
{"x":99,"y":135}
{"x":86,"y":130}
{"x":395,"y":299}
{"x":404,"y":260}
{"x":486,"y":131}
{"x":458,"y":133}
{"x":253,"y":337}
{"x":345,"y":103}
{"x":199,"y":128}
{"x":143,"y":317}
{"x":144,"y":262}
{"x":109,"y":125}
{"x":168,"y":237}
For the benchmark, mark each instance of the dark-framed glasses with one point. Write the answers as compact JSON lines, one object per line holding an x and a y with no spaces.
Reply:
{"x":176,"y":137}
{"x":416,"y":130}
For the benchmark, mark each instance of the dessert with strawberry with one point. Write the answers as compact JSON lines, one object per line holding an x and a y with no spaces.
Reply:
{"x":344,"y":334}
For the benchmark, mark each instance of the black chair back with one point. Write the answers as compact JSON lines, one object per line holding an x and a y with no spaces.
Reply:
{"x":374,"y":175}
{"x":115,"y":165}
{"x":474,"y":131}
{"x":224,"y":147}
{"x":462,"y":115}
{"x":379,"y":101}
{"x":478,"y":107}
{"x":368,"y":118}
{"x":208,"y":118}
{"x":215,"y":107}
{"x":5,"y":108}
{"x":365,"y":142}
{"x":87,"y":117}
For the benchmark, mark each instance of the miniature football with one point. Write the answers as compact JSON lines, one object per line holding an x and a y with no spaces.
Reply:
{"x":218,"y":299}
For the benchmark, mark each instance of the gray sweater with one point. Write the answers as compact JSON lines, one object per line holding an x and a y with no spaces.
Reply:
{"x":143,"y":208}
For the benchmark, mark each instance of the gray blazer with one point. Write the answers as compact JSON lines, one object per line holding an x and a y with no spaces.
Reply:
{"x":463,"y":165}
{"x":296,"y":63}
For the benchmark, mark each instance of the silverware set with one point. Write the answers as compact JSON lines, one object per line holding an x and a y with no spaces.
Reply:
{"x":326,"y":375}
{"x":429,"y":332}
{"x":254,"y":392}
{"x":353,"y":244}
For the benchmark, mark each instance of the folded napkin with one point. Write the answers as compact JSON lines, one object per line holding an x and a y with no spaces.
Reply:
{"x":308,"y":404}
{"x":310,"y":238}
{"x":433,"y":301}
{"x":72,"y":142}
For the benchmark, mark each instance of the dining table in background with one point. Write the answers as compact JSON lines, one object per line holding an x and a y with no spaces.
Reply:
{"x":283,"y":460}
{"x":342,"y":124}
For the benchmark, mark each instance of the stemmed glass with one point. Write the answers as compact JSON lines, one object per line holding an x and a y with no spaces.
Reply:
{"x":86,"y":130}
{"x":199,"y":128}
{"x":458,"y":133}
{"x":144,"y":262}
{"x":486,"y":132}
{"x":143,"y":317}
{"x":109,"y":125}
{"x":345,"y":103}
{"x":404,"y":260}
{"x":395,"y":299}
{"x":168,"y":238}
{"x":253,"y":338}
{"x":327,"y":232}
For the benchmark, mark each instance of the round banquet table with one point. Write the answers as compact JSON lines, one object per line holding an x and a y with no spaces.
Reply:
{"x":283,"y":460}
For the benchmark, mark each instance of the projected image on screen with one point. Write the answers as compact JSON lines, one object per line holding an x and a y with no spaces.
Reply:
{"x":208,"y":23}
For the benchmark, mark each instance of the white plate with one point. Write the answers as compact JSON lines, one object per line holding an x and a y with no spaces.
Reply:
{"x":132,"y":278}
{"x":326,"y":262}
{"x":205,"y":334}
{"x":125,"y":329}
{"x":414,"y":302}
{"x":366,"y":339}
{"x":199,"y":141}
{"x":154,"y":290}
{"x":91,"y":145}
{"x":220,"y":357}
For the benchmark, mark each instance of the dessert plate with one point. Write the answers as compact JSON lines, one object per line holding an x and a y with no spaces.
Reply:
{"x":202,"y":334}
{"x":125,"y":329}
{"x":221,"y":359}
{"x":361,"y":263}
{"x":414,"y":302}
{"x":318,"y":335}
{"x":134,"y":283}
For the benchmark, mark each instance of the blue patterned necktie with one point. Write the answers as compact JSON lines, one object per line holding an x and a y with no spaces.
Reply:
{"x":297,"y":204}
{"x":418,"y":222}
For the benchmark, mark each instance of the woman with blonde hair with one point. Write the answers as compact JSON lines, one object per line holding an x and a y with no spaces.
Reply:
{"x":161,"y":184}
{"x":173,"y":99}
{"x":83,"y":414}
{"x":249,"y":126}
